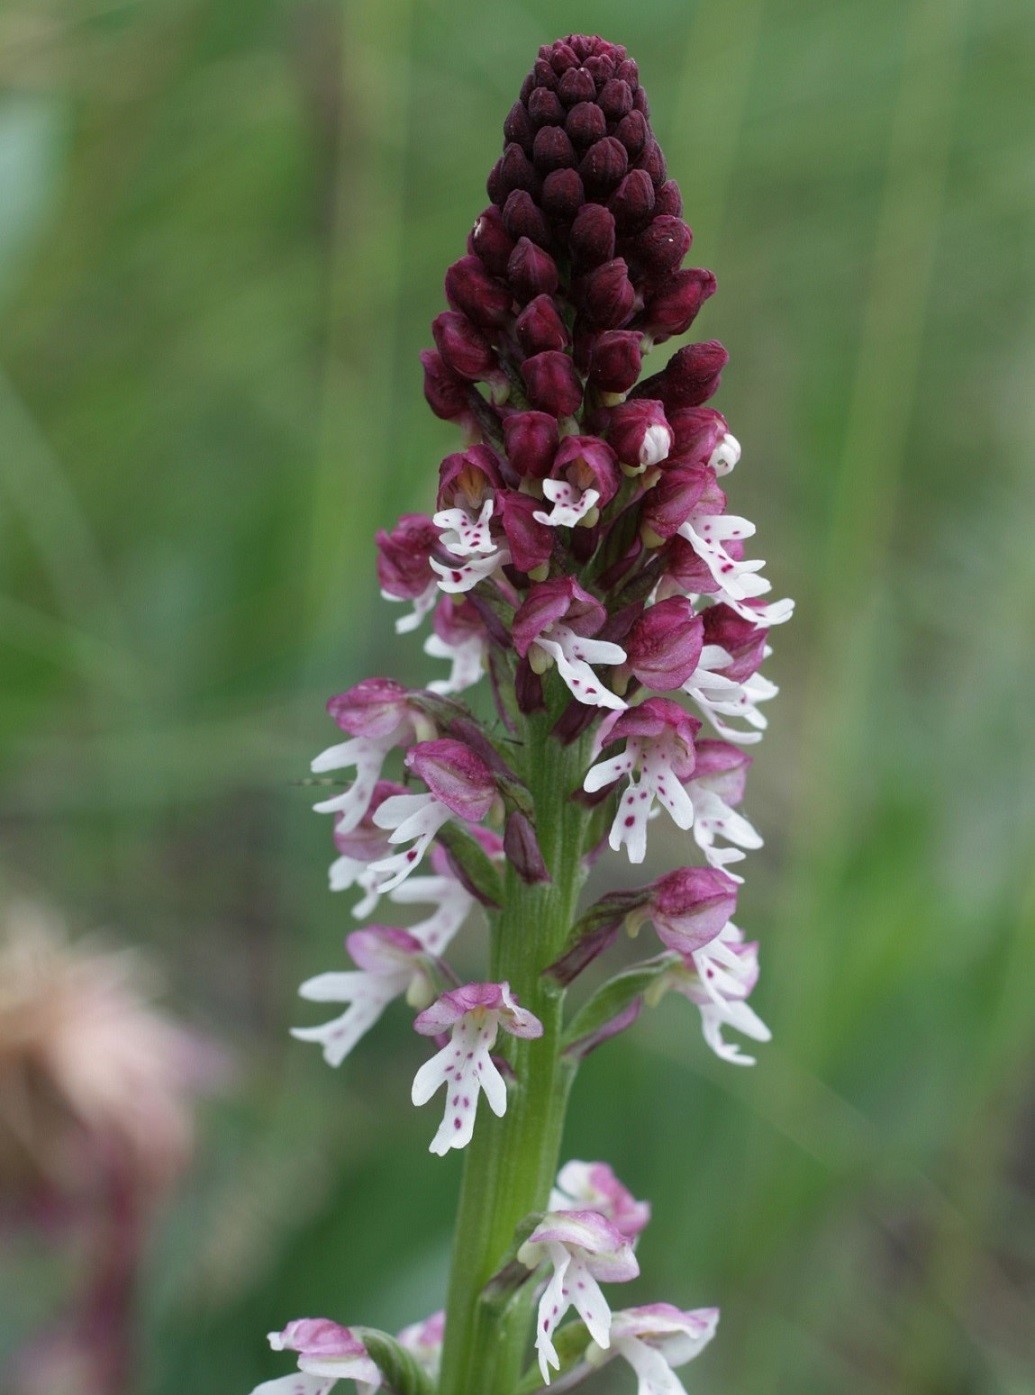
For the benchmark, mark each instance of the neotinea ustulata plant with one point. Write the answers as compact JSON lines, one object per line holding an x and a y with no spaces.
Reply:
{"x":581,"y":562}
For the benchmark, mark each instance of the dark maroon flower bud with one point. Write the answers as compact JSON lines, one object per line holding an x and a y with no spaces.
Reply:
{"x":616,"y":99}
{"x":576,"y":86}
{"x":403,"y":565}
{"x":628,"y":72}
{"x":518,"y":129}
{"x":490,"y":241}
{"x":743,"y":641}
{"x":667,"y":506}
{"x":540,"y":327}
{"x":689,"y":378}
{"x":604,"y":164}
{"x":592,"y":236}
{"x":602,"y":66}
{"x":669,"y":200}
{"x":652,"y":160}
{"x":587,"y":463}
{"x":552,"y":150}
{"x":632,"y":132}
{"x":445,"y":393}
{"x":664,"y":646}
{"x":633,"y":201}
{"x":482,"y":298}
{"x":455,"y":775}
{"x":544,"y":75}
{"x":522,"y":218}
{"x":531,"y":271}
{"x":640,"y":433}
{"x":606,"y":296}
{"x":530,"y":541}
{"x":467,"y":478}
{"x":673,"y":309}
{"x":562,"y":56}
{"x":531,"y":439}
{"x":690,"y":906}
{"x":586,"y":124}
{"x":544,"y":107}
{"x":563,"y":194}
{"x":522,"y":848}
{"x":662,"y":245}
{"x":552,"y":384}
{"x":615,"y":360}
{"x":698,"y":431}
{"x":464,"y":348}
{"x":517,"y":170}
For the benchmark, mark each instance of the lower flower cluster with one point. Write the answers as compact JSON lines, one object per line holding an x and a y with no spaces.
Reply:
{"x":587,"y":1238}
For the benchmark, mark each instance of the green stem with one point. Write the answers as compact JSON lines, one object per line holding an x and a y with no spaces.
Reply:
{"x":511,"y":1162}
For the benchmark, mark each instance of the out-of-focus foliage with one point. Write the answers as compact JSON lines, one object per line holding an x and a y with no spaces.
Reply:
{"x":223,"y":228}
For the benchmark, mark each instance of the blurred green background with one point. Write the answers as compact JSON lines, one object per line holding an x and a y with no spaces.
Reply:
{"x":223,"y":229}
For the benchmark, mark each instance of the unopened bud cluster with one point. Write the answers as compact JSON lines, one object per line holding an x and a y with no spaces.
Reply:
{"x":580,"y":556}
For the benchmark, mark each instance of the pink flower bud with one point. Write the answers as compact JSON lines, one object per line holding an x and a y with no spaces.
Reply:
{"x":563,"y":194}
{"x":522,"y":218}
{"x":531,"y":271}
{"x":531,"y":439}
{"x":373,"y":708}
{"x":455,"y":775}
{"x":463,"y":348}
{"x":615,"y":360}
{"x":632,"y":202}
{"x":539,"y":326}
{"x":606,"y":296}
{"x":673,"y":309}
{"x":604,"y":164}
{"x":490,"y":241}
{"x":592,"y":236}
{"x":522,"y":849}
{"x":552,"y":384}
{"x":664,"y":646}
{"x":639,"y":433}
{"x":444,"y":391}
{"x":725,"y":768}
{"x":403,"y":568}
{"x":482,"y":298}
{"x":689,"y":907}
{"x":744,"y":642}
{"x":661,"y":247}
